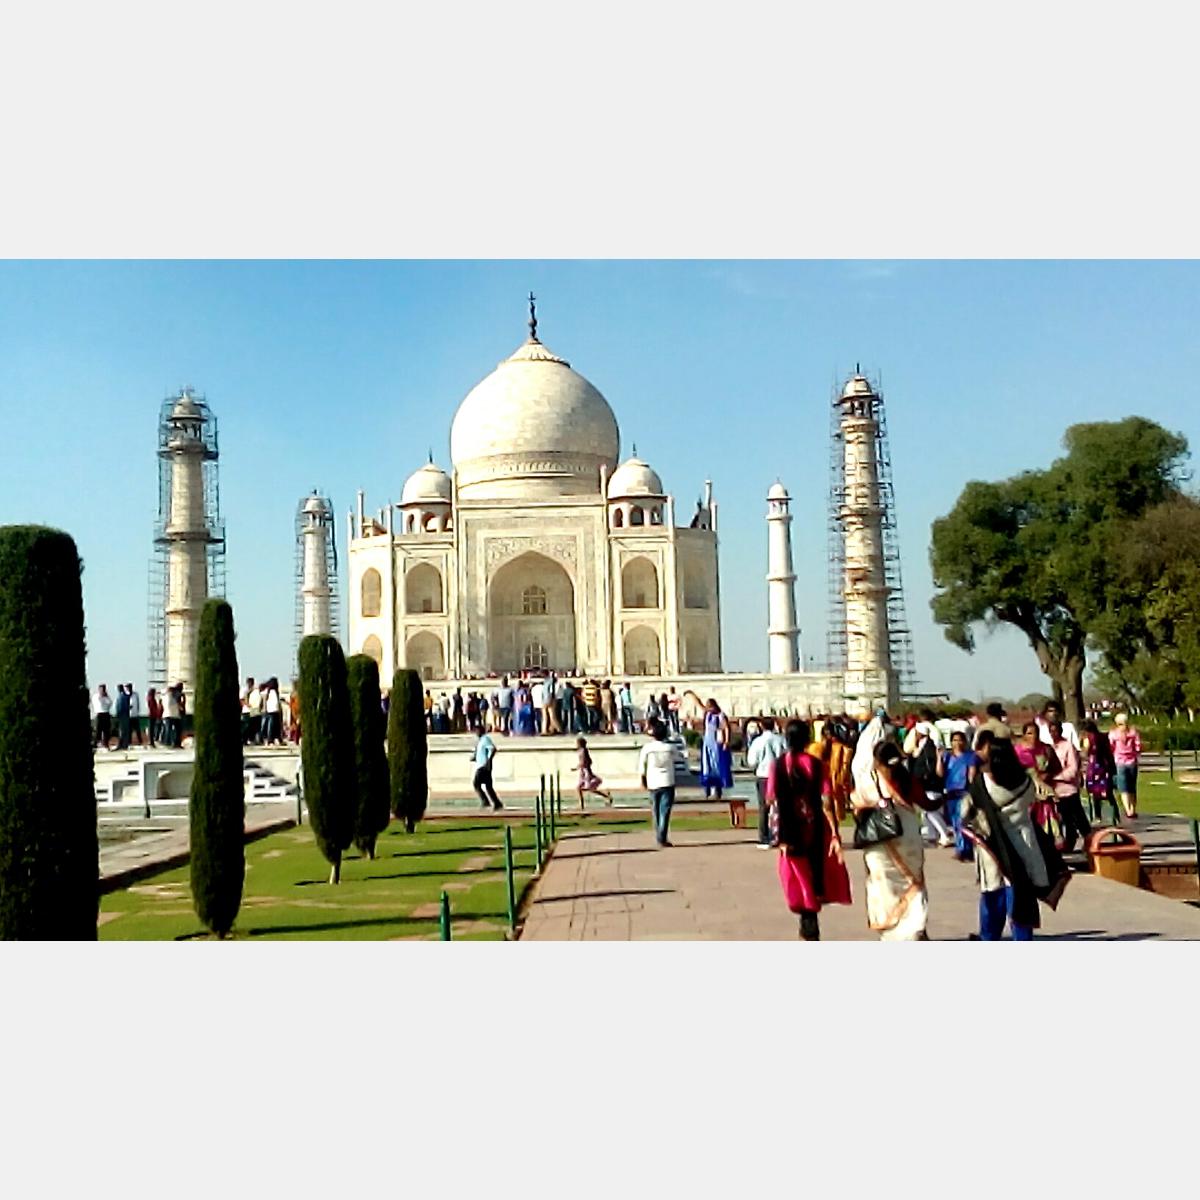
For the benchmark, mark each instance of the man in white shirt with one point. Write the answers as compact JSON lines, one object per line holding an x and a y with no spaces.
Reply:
{"x":254,"y":705}
{"x":1052,"y":715}
{"x":102,"y":710}
{"x":537,"y":694}
{"x":762,"y":752}
{"x":656,"y":765}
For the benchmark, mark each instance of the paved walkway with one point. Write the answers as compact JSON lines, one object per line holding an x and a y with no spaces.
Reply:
{"x":713,"y":886}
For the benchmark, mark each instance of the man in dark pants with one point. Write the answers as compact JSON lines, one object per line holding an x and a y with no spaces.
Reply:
{"x":485,"y":751}
{"x":760,"y":754}
{"x":102,"y":703}
{"x":656,"y":765}
{"x":122,"y":717}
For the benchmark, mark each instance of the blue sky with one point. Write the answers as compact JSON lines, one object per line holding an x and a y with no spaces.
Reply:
{"x":342,"y":374}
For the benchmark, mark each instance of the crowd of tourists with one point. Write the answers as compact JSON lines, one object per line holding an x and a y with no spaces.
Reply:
{"x":528,"y":705}
{"x":1011,"y":804}
{"x":119,"y":721}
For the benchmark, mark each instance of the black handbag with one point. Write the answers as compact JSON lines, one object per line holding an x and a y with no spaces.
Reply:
{"x":879,"y":823}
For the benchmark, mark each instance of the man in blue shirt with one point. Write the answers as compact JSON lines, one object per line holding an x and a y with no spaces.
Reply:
{"x":485,"y":751}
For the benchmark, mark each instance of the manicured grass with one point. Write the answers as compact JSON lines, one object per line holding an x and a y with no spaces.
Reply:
{"x":1158,"y":793}
{"x":287,"y":894}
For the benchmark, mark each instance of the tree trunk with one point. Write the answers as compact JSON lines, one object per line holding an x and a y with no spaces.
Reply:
{"x":335,"y":872}
{"x":1064,"y":669}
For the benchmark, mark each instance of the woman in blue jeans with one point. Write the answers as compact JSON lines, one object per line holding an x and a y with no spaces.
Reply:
{"x":957,"y":768}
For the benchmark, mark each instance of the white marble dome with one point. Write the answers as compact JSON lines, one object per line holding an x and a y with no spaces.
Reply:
{"x":429,"y":485}
{"x":634,"y":478}
{"x":533,"y":427}
{"x":777,"y":491}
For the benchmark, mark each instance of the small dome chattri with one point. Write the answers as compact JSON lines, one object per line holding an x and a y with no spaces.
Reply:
{"x":634,"y":478}
{"x":429,"y":485}
{"x":317,"y":505}
{"x":857,"y":385}
{"x":777,"y":491}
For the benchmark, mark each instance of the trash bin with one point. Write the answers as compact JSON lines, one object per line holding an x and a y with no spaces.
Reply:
{"x":1115,"y":854}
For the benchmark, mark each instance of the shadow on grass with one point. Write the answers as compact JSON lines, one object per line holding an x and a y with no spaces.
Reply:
{"x":433,"y":831}
{"x":449,"y":875}
{"x":430,"y":923}
{"x":605,"y":895}
{"x":432,"y":853}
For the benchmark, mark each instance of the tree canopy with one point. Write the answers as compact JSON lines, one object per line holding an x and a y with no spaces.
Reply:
{"x":1041,"y":550}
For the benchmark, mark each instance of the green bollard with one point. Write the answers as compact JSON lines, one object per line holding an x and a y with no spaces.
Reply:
{"x":553,"y":830}
{"x":508,"y":878}
{"x":558,"y":791}
{"x":445,"y":918}
{"x":537,"y":833}
{"x":1171,"y":760}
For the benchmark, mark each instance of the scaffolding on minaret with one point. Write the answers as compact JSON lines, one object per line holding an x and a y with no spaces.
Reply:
{"x":899,"y":634}
{"x":188,"y":563}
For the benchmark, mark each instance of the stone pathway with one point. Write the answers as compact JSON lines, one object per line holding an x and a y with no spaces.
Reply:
{"x":715,"y":886}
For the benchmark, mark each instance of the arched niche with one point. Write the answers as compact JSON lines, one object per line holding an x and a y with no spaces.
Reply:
{"x":643,"y":655}
{"x":639,"y":584}
{"x":371,"y":592}
{"x":423,"y":589}
{"x":530,"y":599}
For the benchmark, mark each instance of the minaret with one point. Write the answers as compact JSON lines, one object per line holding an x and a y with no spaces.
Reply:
{"x":782,"y":633}
{"x":868,"y":652}
{"x":315,"y":531}
{"x":187,"y":442}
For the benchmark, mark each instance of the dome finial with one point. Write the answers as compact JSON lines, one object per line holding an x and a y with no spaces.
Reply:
{"x":635,"y":449}
{"x":533,"y":337}
{"x":431,"y":456}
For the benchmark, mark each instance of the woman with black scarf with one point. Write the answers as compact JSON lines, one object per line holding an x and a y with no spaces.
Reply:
{"x":1016,"y":863}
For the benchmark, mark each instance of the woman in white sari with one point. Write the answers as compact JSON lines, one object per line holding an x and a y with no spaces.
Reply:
{"x":897,"y":902}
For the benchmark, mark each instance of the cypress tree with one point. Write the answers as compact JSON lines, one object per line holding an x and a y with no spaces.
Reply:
{"x":327,"y":747}
{"x":217,"y":809}
{"x":370,"y":759}
{"x":49,"y":853}
{"x":407,"y":749}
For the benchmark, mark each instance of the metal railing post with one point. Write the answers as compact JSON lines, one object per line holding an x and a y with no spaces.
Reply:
{"x":444,"y":921}
{"x":508,"y":878}
{"x":1171,"y":760}
{"x":1196,"y":843}
{"x":537,"y":833}
{"x":553,"y":833}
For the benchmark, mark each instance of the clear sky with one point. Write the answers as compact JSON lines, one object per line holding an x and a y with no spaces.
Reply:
{"x":342,"y":375}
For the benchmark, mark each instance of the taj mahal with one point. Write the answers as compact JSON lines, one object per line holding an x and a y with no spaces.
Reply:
{"x":541,"y":549}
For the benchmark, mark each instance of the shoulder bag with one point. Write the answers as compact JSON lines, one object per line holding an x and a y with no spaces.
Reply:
{"x":880,"y":823}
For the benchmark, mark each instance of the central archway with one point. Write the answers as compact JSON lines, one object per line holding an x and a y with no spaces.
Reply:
{"x":531,"y":615}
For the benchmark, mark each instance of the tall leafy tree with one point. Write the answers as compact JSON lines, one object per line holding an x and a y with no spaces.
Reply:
{"x":1039,"y":551}
{"x":49,"y":854}
{"x":327,"y":747}
{"x":1152,"y":652}
{"x":408,"y":749}
{"x":217,"y":808}
{"x":372,"y":792}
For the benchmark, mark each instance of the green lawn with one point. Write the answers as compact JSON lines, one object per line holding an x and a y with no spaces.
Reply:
{"x":287,"y":894}
{"x":1158,"y":793}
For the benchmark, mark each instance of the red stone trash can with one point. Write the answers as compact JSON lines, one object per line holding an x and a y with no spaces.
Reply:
{"x":1115,"y":854}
